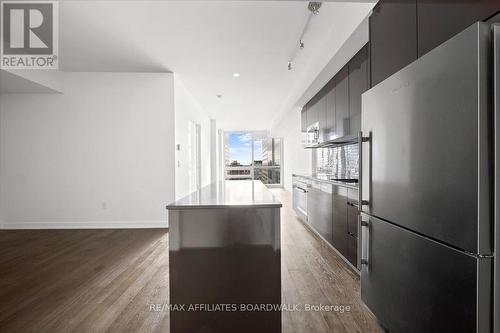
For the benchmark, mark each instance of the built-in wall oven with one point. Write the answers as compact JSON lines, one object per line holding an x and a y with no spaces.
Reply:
{"x":300,"y":189}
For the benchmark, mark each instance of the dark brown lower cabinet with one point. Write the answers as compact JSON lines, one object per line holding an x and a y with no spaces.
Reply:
{"x":352,"y":227}
{"x":339,"y":221}
{"x":352,"y":219}
{"x":333,"y":214}
{"x":352,"y":250}
{"x":319,"y":209}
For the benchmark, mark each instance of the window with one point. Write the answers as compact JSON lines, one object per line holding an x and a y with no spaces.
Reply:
{"x":253,"y":155}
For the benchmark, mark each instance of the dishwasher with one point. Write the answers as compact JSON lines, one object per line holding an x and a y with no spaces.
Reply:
{"x":300,"y":188}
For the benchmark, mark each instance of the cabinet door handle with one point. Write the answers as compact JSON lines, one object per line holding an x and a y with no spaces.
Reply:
{"x":353,"y":204}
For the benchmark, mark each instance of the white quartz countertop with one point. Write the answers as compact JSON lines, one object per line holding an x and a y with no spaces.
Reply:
{"x":327,"y":179}
{"x":231,"y":194}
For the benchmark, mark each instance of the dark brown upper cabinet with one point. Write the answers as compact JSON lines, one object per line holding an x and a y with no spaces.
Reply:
{"x":393,"y":37}
{"x":330,"y":110}
{"x":321,"y":105}
{"x":342,"y":102}
{"x":337,"y":106}
{"x":439,"y":20}
{"x":358,"y":84}
{"x":312,"y":112}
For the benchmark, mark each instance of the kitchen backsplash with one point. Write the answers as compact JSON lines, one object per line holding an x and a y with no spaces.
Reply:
{"x":340,"y":162}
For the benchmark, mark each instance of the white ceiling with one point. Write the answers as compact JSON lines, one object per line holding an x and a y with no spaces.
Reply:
{"x":205,"y":42}
{"x":12,"y":83}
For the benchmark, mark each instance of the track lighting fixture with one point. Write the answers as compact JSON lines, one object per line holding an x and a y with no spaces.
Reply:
{"x":313,"y":8}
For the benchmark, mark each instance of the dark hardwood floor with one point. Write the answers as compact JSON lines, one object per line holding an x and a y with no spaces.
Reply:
{"x":106,"y":280}
{"x":312,"y":273}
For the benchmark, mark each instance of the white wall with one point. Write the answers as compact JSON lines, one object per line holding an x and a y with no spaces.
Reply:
{"x":99,"y":155}
{"x":187,"y":109}
{"x":213,"y":150}
{"x":296,"y":159}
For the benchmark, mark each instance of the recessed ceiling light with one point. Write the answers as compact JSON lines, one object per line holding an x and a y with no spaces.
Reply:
{"x":236,"y":74}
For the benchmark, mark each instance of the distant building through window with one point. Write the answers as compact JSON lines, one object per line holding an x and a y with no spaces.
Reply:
{"x":252,"y":155}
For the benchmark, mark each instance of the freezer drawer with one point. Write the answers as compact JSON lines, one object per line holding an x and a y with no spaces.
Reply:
{"x":426,"y":164}
{"x":414,"y":284}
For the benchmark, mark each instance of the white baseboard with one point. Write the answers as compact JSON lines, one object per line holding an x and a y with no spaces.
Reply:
{"x":84,"y":225}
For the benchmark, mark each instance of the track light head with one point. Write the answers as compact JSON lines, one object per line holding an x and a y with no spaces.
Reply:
{"x":314,"y":7}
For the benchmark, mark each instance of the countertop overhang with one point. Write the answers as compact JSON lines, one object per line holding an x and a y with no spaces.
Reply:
{"x":229,"y":194}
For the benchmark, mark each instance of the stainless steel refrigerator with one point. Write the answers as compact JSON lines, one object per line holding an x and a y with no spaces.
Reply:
{"x":427,"y":186}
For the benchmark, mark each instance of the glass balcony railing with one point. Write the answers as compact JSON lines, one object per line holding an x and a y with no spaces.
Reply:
{"x":253,"y":155}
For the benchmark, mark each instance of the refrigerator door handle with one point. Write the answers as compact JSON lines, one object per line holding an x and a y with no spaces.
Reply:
{"x":365,"y":242}
{"x":361,"y":202}
{"x":496,"y":214}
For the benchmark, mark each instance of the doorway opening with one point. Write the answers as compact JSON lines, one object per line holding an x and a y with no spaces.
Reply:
{"x":194,"y":151}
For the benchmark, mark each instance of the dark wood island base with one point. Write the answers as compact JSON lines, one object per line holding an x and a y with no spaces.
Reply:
{"x":225,"y":266}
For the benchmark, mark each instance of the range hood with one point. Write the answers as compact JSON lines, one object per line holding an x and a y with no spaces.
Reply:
{"x":342,"y":141}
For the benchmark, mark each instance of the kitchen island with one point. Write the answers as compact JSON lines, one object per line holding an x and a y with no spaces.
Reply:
{"x":224,"y":248}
